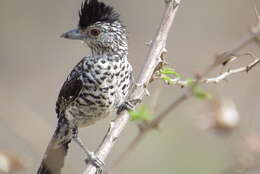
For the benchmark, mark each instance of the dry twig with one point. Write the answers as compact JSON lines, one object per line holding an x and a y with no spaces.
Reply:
{"x":221,"y":59}
{"x":224,"y":75}
{"x":153,"y":59}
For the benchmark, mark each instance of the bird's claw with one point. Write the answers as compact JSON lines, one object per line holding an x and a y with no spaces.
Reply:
{"x":95,"y":161}
{"x":127,"y":105}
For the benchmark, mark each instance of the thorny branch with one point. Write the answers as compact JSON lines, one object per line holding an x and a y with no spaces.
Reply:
{"x":221,"y":59}
{"x":153,"y":59}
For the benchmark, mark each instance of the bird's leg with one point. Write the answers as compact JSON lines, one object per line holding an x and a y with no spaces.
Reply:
{"x":129,"y":104}
{"x":126,"y":105}
{"x":92,"y":158}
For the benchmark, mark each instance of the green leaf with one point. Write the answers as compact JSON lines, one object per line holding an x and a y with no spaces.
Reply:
{"x":201,"y":93}
{"x":140,"y":114}
{"x":170,"y":71}
{"x":167,"y":79}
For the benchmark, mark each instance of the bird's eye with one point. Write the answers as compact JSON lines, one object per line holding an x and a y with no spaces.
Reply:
{"x":95,"y":32}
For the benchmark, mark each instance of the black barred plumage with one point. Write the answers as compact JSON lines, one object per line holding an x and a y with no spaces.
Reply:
{"x":96,"y":86}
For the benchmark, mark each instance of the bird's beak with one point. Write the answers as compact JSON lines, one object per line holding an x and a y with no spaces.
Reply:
{"x":74,"y":34}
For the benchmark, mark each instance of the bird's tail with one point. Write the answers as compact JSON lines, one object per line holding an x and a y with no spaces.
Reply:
{"x":54,"y":156}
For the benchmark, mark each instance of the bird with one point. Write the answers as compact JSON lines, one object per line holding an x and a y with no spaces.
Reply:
{"x":98,"y":85}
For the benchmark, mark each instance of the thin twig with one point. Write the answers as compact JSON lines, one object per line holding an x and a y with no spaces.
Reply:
{"x":219,"y":78}
{"x":155,"y":123}
{"x":231,"y":72}
{"x":153,"y":59}
{"x":152,"y":125}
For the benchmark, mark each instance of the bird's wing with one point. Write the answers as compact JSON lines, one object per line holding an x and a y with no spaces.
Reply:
{"x":70,"y":89}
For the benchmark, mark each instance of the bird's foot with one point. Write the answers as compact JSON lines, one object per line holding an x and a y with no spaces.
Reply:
{"x":95,"y":161}
{"x":92,"y":158}
{"x":127,"y":105}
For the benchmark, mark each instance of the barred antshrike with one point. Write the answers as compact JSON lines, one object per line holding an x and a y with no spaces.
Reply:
{"x":96,"y":86}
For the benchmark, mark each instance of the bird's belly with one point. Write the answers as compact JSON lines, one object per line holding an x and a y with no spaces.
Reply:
{"x":91,"y":106}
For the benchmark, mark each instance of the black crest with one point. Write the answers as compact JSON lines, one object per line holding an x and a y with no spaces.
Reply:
{"x":93,"y":11}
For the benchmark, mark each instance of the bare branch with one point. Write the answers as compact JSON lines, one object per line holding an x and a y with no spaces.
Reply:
{"x":245,"y":40}
{"x":152,"y":125}
{"x":222,"y":76}
{"x":153,"y":59}
{"x":231,"y":72}
{"x":220,"y":59}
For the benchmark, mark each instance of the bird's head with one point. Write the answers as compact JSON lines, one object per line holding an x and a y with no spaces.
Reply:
{"x":99,"y":27}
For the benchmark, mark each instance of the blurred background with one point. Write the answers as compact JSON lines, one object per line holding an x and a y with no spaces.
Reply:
{"x":34,"y":62}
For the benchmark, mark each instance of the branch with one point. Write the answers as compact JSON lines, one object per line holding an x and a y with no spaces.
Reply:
{"x":219,"y":78}
{"x":153,"y":59}
{"x":231,"y":72}
{"x":225,"y":57}
{"x":150,"y":126}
